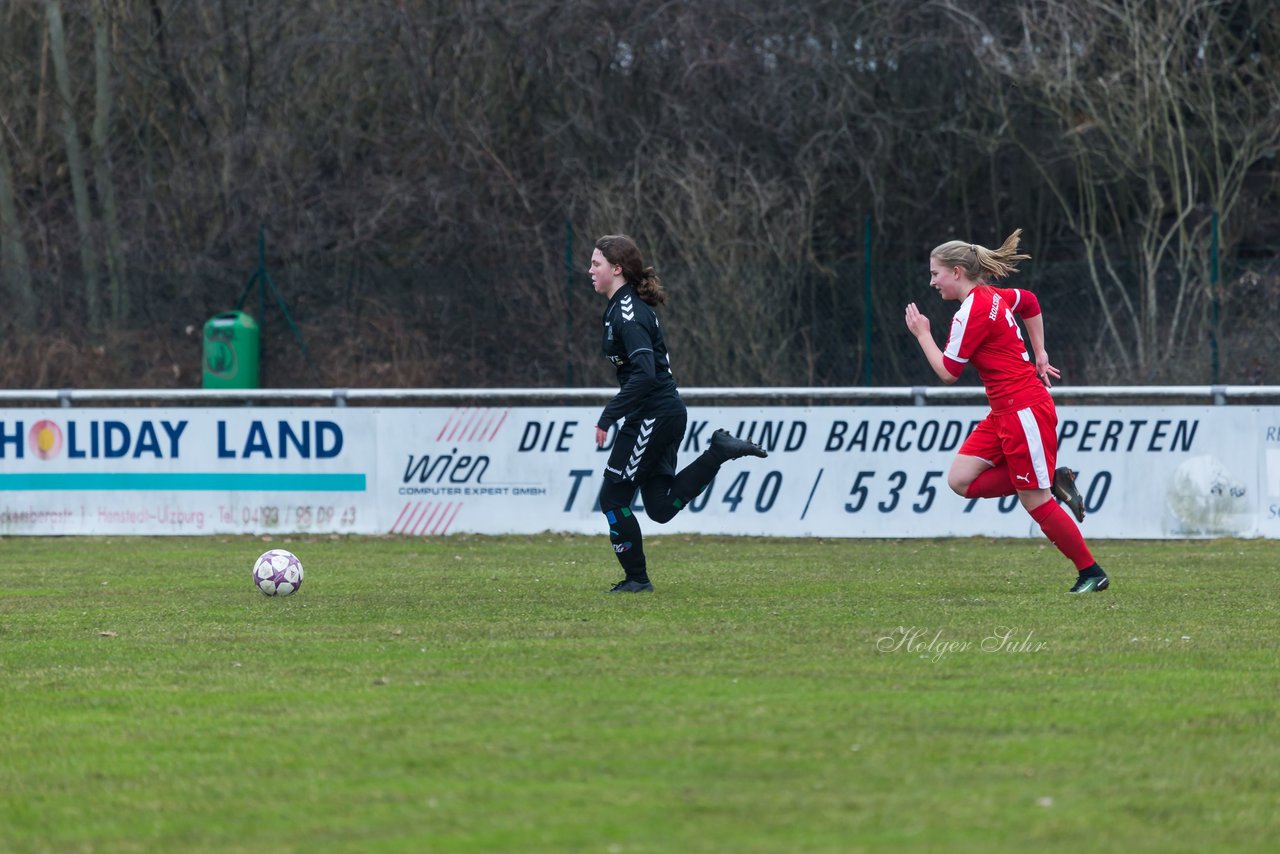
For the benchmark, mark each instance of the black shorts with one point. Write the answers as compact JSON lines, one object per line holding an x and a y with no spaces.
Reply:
{"x":645,"y":448}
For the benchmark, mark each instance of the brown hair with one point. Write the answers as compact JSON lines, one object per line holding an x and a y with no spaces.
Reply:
{"x":622,"y":250}
{"x":979,"y":262}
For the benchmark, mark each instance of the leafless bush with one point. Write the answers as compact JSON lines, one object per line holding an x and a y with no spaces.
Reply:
{"x":744,"y":145}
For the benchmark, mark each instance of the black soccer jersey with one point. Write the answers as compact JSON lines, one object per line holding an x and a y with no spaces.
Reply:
{"x":633,"y":342}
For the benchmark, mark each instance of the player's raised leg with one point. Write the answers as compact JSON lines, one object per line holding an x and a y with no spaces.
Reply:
{"x":665,"y":497}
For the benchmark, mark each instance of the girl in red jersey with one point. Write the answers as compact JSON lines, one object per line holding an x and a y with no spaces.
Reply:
{"x":1015,"y":448}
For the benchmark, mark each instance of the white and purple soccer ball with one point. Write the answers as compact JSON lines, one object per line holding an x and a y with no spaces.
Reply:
{"x":277,"y":573}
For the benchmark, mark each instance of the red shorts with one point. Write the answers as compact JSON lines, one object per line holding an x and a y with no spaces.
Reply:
{"x":1025,"y":439}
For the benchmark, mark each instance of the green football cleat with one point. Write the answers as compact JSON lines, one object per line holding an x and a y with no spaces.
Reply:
{"x":1091,"y":580}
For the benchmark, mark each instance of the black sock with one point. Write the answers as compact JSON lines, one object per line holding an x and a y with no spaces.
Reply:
{"x":694,"y":477}
{"x":628,"y":542}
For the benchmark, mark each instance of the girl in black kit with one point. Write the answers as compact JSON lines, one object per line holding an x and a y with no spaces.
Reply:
{"x":644,"y":453}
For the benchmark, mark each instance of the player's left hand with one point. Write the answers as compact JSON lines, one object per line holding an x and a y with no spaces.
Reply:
{"x":601,"y":435}
{"x":1044,"y":370}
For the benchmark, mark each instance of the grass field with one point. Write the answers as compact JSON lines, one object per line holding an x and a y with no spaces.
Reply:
{"x":483,"y":694}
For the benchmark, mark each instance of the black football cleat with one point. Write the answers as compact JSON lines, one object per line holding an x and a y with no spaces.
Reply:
{"x":731,"y":447}
{"x":1064,"y":489}
{"x":630,"y":585}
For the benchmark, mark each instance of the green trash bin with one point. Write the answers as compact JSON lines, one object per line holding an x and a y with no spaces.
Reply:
{"x":231,"y":351}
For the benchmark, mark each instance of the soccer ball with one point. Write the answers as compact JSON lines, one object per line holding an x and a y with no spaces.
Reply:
{"x":277,"y":573}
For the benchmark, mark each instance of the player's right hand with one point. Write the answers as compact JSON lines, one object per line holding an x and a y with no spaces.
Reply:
{"x":917,"y":323}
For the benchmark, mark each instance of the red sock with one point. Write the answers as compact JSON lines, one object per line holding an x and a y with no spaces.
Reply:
{"x":992,"y":483}
{"x":1063,"y":532}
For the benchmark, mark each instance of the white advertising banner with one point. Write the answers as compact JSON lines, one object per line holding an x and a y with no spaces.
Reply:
{"x":186,"y":471}
{"x":838,"y":471}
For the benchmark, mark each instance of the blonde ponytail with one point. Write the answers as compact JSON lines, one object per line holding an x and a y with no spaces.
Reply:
{"x":980,"y":263}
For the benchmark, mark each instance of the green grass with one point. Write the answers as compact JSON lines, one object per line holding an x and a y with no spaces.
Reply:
{"x":482,"y":694}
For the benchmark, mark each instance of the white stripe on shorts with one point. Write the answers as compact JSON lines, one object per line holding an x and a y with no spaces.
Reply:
{"x":1039,"y":463}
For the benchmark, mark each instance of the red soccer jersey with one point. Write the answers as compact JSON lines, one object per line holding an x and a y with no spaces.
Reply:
{"x":984,"y":334}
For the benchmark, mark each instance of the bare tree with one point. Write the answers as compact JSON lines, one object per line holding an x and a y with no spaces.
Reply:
{"x":430,"y":175}
{"x":15,"y":270}
{"x":75,"y":164}
{"x":1160,"y":111}
{"x":104,"y":181}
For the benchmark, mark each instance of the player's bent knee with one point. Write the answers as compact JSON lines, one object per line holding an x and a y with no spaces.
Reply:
{"x":662,"y":513}
{"x":959,"y":484}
